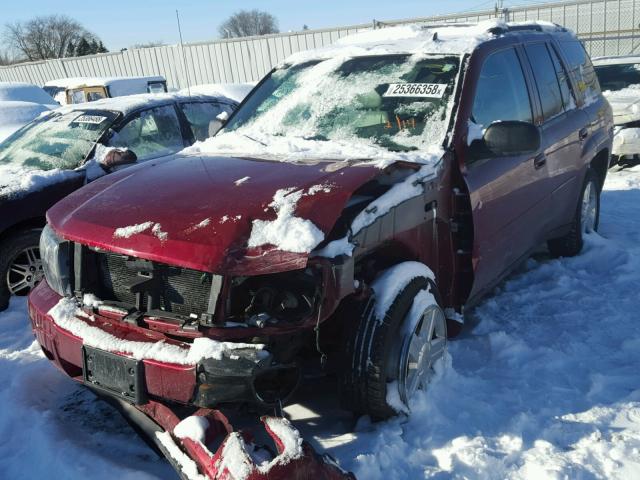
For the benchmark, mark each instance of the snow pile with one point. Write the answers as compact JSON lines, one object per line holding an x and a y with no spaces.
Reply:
{"x":392,"y":281}
{"x":287,"y":232}
{"x":632,"y":90}
{"x":18,"y":181}
{"x":131,"y":230}
{"x":193,"y":427}
{"x":410,"y":187}
{"x":66,"y":312}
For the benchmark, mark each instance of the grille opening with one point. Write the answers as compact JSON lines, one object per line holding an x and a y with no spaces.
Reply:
{"x":178,"y":291}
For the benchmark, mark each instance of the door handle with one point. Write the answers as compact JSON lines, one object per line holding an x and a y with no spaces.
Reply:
{"x":539,"y":160}
{"x":583,"y":133}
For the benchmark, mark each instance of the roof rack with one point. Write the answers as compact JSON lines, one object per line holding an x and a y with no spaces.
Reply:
{"x":523,"y":27}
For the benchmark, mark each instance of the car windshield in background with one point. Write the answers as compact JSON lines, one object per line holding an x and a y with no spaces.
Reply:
{"x":58,"y":141}
{"x":400,"y":102}
{"x":617,"y":77}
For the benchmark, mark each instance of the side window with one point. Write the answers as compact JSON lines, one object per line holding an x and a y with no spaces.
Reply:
{"x":581,"y":69}
{"x":201,"y":114}
{"x":545,"y":75}
{"x":501,"y":92}
{"x":156,"y":87}
{"x":563,"y":80}
{"x":78,"y":96}
{"x":151,"y":134}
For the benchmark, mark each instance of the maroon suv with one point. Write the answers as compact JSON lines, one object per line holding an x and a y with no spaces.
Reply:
{"x":358,"y":202}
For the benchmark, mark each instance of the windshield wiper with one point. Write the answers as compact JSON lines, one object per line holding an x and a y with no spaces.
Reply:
{"x":253,"y":139}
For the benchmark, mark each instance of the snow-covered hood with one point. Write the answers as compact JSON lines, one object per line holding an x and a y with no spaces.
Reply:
{"x":625,"y":104}
{"x":217,"y":214}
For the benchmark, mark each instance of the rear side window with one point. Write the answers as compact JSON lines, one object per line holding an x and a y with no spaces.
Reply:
{"x":502,"y":91}
{"x":563,"y":80}
{"x":546,"y":79}
{"x":581,"y":69}
{"x":200,"y":115}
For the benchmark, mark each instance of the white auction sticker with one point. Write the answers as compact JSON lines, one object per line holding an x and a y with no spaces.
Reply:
{"x":428,"y":90}
{"x":95,"y":119}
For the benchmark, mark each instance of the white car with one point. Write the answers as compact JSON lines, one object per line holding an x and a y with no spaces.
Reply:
{"x":19,"y":104}
{"x":620,"y":82}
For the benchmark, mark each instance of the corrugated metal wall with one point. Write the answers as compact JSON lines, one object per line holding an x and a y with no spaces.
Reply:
{"x":608,"y":27}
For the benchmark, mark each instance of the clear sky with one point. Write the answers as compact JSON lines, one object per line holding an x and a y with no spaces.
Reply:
{"x":121,"y":23}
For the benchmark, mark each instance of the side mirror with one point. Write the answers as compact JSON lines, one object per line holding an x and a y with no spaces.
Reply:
{"x":217,"y":123}
{"x":512,"y":138}
{"x":506,"y":138}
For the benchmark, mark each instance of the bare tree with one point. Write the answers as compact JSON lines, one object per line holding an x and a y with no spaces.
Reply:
{"x":46,"y":37}
{"x":246,"y":23}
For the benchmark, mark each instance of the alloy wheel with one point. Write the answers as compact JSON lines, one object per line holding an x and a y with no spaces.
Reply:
{"x":421,"y":350}
{"x":25,"y":271}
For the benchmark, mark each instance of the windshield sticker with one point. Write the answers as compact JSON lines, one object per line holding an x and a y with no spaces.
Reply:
{"x":93,"y":119}
{"x":424,"y":90}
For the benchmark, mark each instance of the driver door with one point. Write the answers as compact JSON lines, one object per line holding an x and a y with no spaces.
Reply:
{"x":507,"y":207}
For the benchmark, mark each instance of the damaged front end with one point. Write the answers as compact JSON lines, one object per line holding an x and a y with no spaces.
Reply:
{"x":204,"y":445}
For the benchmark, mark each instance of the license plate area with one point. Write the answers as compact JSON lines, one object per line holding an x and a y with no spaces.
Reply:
{"x":113,"y":374}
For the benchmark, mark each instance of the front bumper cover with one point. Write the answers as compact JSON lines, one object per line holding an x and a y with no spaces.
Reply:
{"x":234,"y":377}
{"x":157,"y":422}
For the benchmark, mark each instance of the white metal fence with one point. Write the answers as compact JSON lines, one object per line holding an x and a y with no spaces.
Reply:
{"x":607,"y":27}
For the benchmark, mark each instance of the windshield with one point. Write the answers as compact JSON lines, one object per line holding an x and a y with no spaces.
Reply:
{"x":58,"y":141}
{"x":617,"y":77}
{"x":398,"y":102}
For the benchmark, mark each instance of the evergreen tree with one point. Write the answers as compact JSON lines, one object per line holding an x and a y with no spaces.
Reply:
{"x":83,"y":48}
{"x":71,"y":50}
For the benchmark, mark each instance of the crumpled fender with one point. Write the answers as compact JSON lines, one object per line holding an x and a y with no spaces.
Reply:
{"x":237,"y":457}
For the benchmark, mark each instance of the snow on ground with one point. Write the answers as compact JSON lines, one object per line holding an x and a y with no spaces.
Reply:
{"x":543,"y":384}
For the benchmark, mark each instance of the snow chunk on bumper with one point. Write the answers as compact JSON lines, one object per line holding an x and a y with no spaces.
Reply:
{"x":287,"y":232}
{"x":66,"y":312}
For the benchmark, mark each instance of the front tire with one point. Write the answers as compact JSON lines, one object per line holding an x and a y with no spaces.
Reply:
{"x":585,"y":220}
{"x":387,"y":360}
{"x":20,"y":265}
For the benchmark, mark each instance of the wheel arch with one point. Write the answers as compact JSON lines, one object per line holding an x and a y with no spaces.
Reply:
{"x":600,"y":165}
{"x":23,"y":225}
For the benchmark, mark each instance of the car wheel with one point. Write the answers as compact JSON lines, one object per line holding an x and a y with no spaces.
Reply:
{"x":20,"y":265}
{"x":388,"y":360}
{"x":585,"y":220}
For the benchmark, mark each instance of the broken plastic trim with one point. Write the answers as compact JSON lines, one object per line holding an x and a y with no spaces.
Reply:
{"x":191,"y":458}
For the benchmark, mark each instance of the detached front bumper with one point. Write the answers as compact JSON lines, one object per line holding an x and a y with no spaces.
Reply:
{"x":236,"y":376}
{"x":626,"y":142}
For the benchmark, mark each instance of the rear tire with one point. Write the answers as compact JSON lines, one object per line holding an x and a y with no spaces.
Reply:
{"x":20,"y":265}
{"x":585,"y":220}
{"x":387,"y":353}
